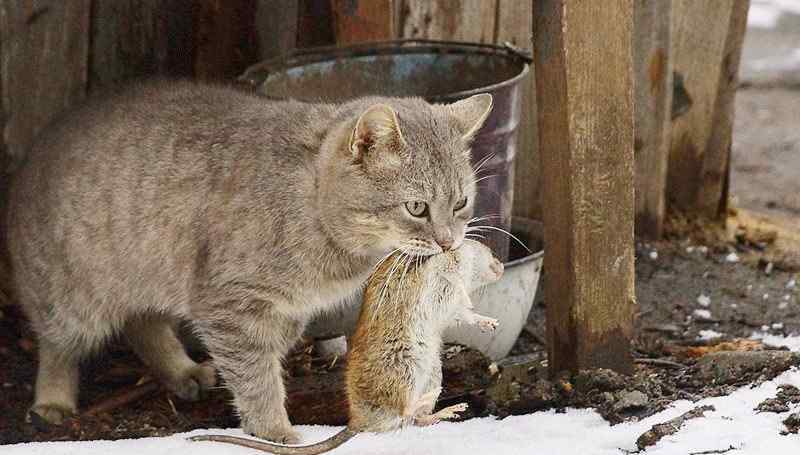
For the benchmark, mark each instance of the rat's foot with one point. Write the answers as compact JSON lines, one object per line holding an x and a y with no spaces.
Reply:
{"x":486,"y":324}
{"x":277,"y":434}
{"x":53,"y":414}
{"x":193,"y":382}
{"x":450,"y":412}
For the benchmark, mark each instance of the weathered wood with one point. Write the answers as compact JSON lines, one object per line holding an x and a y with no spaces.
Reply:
{"x":706,"y":44}
{"x":514,"y":25}
{"x":43,"y":65}
{"x":584,"y":89}
{"x":363,"y":20}
{"x":713,"y":196}
{"x":315,"y":23}
{"x":135,"y":38}
{"x":276,"y":27}
{"x":224,"y":38}
{"x":652,"y":105}
{"x":464,"y":20}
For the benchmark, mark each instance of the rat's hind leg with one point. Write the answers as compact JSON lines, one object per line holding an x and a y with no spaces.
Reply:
{"x":153,"y":339}
{"x":421,"y":410}
{"x":56,"y":382}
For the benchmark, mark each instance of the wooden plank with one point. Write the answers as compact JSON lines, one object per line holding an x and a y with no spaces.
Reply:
{"x":713,"y":196}
{"x":363,"y":20}
{"x":134,"y":38}
{"x":276,"y":27}
{"x":704,"y":52}
{"x":43,"y":65}
{"x":652,"y":105}
{"x":315,"y":23}
{"x":514,"y":25}
{"x":584,"y":89}
{"x":455,"y":20}
{"x":224,"y":38}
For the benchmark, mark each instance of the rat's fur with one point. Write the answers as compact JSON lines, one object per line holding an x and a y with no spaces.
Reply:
{"x":174,"y":201}
{"x":394,"y":371}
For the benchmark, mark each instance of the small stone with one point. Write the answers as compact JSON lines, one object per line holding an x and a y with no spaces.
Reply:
{"x":654,"y":255}
{"x":768,"y":268}
{"x":792,"y":424}
{"x":732,"y":257}
{"x":765,"y":296}
{"x":704,"y":300}
{"x":791,"y":284}
{"x":783,"y":305}
{"x":493,"y":369}
{"x":702,"y":314}
{"x":777,"y":326}
{"x":709,"y":334}
{"x":630,"y":400}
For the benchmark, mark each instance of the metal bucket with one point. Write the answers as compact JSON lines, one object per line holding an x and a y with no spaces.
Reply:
{"x":440,"y":72}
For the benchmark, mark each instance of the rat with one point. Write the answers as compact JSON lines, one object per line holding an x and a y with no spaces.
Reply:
{"x":394,"y":372}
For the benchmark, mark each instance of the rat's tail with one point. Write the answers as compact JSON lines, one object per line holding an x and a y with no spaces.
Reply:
{"x":280,"y":449}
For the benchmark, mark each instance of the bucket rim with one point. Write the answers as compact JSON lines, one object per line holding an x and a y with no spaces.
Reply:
{"x":256,"y":74}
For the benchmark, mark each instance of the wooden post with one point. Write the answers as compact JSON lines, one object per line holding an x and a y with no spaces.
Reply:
{"x":363,"y":20}
{"x":135,"y":38}
{"x":706,"y":47}
{"x":514,"y":24}
{"x":464,"y":20}
{"x":224,"y":38}
{"x":43,"y":59}
{"x":584,"y":88}
{"x":652,"y":106}
{"x":276,"y":27}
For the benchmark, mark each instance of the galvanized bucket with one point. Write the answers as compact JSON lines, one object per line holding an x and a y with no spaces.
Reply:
{"x":438,"y":71}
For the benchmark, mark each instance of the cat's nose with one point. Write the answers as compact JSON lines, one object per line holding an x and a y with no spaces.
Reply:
{"x":445,"y":243}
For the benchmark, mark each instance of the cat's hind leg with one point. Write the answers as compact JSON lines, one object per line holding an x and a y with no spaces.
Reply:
{"x":153,"y":339}
{"x":56,"y":382}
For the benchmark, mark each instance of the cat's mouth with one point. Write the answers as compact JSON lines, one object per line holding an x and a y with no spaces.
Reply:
{"x":419,"y":247}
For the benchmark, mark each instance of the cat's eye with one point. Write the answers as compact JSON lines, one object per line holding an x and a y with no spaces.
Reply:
{"x":460,"y":204}
{"x":417,"y":208}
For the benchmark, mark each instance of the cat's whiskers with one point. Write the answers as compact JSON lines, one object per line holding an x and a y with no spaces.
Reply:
{"x":495,"y":228}
{"x":483,"y":162}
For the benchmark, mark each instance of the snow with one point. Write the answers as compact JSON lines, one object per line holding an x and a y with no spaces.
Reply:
{"x":767,"y":13}
{"x":702,"y":314}
{"x":709,"y":335}
{"x":576,"y":431}
{"x":703,"y":300}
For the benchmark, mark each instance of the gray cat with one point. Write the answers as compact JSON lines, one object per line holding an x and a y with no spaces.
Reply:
{"x":173,"y":201}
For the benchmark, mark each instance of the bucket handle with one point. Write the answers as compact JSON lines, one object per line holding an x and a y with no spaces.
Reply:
{"x":256,"y":73}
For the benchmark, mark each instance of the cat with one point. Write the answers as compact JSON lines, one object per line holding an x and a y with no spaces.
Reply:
{"x":175,"y":201}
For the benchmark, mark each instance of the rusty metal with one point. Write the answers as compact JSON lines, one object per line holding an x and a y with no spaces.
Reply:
{"x":439,"y":71}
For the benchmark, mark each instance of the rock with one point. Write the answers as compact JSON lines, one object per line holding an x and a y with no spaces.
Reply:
{"x":787,"y":394}
{"x":600,"y":379}
{"x":734,"y":367}
{"x":792,"y":424}
{"x":630,"y":400}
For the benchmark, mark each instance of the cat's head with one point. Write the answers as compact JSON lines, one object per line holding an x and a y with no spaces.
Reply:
{"x":402,"y":177}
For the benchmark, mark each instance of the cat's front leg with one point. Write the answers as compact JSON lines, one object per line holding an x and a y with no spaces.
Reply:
{"x":248,"y":341}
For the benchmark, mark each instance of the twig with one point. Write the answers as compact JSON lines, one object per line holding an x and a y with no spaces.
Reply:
{"x":123,"y":398}
{"x":709,"y":452}
{"x":660,"y":362}
{"x":658,"y":431}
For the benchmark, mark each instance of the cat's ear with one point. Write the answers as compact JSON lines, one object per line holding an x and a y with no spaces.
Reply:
{"x":471,"y":113}
{"x":376,"y":126}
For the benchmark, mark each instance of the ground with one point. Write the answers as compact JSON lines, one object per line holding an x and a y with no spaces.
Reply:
{"x":705,"y":294}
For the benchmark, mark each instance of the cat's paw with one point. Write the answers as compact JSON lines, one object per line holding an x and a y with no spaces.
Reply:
{"x":193,"y":383}
{"x":279,"y":435}
{"x":52,"y":414}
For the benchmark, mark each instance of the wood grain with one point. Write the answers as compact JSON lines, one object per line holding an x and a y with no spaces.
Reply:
{"x":456,"y":20}
{"x":706,"y":44}
{"x":135,"y":38}
{"x":653,"y":100}
{"x":515,"y":25}
{"x":44,"y":49}
{"x":358,"y":21}
{"x":276,"y":27}
{"x":584,"y":83}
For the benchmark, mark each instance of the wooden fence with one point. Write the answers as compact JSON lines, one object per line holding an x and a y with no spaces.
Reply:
{"x":672,"y":130}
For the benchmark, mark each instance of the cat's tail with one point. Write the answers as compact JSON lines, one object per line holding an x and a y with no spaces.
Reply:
{"x":280,"y":449}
